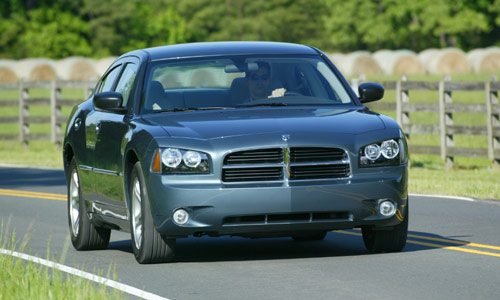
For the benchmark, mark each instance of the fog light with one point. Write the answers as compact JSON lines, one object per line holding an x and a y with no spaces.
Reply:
{"x":386,"y":208}
{"x":181,"y":217}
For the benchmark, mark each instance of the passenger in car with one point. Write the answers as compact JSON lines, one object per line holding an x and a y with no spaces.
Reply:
{"x":259,"y":81}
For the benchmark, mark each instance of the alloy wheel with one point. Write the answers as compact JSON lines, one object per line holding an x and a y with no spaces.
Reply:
{"x":74,"y":203}
{"x":137,"y":212}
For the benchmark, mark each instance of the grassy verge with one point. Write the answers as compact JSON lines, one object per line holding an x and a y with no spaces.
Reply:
{"x":20,"y":279}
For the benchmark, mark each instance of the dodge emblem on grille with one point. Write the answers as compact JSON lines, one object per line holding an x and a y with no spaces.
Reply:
{"x":285,"y":137}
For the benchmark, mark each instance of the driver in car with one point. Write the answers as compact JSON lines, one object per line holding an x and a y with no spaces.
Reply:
{"x":259,"y":81}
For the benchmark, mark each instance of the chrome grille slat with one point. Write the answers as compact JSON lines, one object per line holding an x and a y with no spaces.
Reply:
{"x":286,"y":164}
{"x":316,"y":154}
{"x":252,"y":174}
{"x":255,"y":157}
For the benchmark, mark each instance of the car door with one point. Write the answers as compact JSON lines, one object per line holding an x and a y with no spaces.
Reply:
{"x":92,"y":119}
{"x":111,"y":134}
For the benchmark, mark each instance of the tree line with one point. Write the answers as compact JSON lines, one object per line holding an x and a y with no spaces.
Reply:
{"x":96,"y":28}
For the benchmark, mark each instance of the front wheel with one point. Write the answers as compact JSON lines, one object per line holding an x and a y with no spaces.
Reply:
{"x":84,"y":235}
{"x":148,"y":245}
{"x":387,"y":240}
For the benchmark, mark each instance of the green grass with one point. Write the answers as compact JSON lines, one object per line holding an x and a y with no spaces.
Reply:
{"x":20,"y":279}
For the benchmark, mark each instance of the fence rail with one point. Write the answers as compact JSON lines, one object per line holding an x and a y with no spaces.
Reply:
{"x":403,"y":107}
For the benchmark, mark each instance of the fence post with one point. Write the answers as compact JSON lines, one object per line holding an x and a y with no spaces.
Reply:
{"x":55,"y":109}
{"x":23,"y":114}
{"x":446,"y":119}
{"x":493,"y":121}
{"x":402,"y":96}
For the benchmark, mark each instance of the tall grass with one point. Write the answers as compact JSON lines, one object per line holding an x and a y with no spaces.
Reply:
{"x":20,"y":279}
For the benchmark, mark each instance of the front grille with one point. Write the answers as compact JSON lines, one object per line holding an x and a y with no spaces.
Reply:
{"x":280,"y":164}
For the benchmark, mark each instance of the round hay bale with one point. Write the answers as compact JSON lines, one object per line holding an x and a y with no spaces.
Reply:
{"x":103,"y":64}
{"x":359,"y":62}
{"x":398,"y":62}
{"x":337,"y":59}
{"x":484,"y":60}
{"x":449,"y":61}
{"x":170,"y":80}
{"x":203,"y":78}
{"x":36,"y":69}
{"x":381,"y":54}
{"x":76,"y":68}
{"x":426,"y":55}
{"x":7,"y":73}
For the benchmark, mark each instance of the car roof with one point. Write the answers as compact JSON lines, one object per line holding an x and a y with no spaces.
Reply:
{"x":223,"y":48}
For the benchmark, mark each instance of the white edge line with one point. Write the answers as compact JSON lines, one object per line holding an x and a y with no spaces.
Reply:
{"x":108,"y":282}
{"x":445,"y":197}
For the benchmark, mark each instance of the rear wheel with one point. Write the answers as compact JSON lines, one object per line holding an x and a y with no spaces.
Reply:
{"x":84,"y":235}
{"x":390,"y":240}
{"x":148,"y":245}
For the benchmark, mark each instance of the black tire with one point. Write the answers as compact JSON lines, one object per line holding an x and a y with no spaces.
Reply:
{"x":392,"y":240}
{"x":84,"y":235}
{"x":149,"y":246}
{"x":310,"y":236}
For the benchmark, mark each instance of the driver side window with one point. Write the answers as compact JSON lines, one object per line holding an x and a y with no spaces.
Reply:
{"x":126,"y":81}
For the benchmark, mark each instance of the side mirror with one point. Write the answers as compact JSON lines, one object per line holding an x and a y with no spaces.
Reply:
{"x":109,"y":101}
{"x":370,"y":91}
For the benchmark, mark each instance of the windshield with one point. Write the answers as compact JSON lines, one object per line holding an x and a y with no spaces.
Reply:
{"x":241,"y":81}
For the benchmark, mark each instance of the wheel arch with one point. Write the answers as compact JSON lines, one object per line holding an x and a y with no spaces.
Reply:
{"x":131,"y":158}
{"x":68,"y":155}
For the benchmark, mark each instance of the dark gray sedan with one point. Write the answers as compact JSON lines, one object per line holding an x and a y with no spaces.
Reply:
{"x":249,"y":139}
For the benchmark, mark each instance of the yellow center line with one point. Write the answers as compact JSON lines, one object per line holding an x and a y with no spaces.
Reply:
{"x":27,"y":194}
{"x":454,"y":248}
{"x":454,"y":242}
{"x":442,"y":246}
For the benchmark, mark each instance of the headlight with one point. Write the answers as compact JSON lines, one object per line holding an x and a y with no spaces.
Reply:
{"x":180,"y":161}
{"x":171,"y":158}
{"x":381,"y":154}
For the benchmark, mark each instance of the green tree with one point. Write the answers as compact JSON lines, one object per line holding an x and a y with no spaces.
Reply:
{"x":375,"y":24}
{"x":137,"y":24}
{"x":298,"y":21}
{"x":53,"y":33}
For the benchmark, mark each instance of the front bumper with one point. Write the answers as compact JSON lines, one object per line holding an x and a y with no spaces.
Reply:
{"x":275,"y":209}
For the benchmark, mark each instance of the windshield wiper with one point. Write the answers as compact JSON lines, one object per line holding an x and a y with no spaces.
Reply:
{"x":214,"y":107}
{"x":263,"y":104}
{"x":192,"y":108}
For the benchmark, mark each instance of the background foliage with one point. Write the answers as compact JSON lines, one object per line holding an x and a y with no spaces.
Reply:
{"x":60,"y":28}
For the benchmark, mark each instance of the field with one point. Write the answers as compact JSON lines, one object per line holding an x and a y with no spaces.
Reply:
{"x":471,"y":177}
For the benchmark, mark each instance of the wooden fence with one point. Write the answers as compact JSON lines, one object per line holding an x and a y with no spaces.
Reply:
{"x":445,"y":106}
{"x":403,"y":107}
{"x":55,"y":102}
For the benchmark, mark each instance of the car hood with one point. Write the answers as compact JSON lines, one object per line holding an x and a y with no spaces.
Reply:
{"x":245,"y":121}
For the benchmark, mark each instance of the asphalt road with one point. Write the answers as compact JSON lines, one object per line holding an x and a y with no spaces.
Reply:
{"x":453,"y":252}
